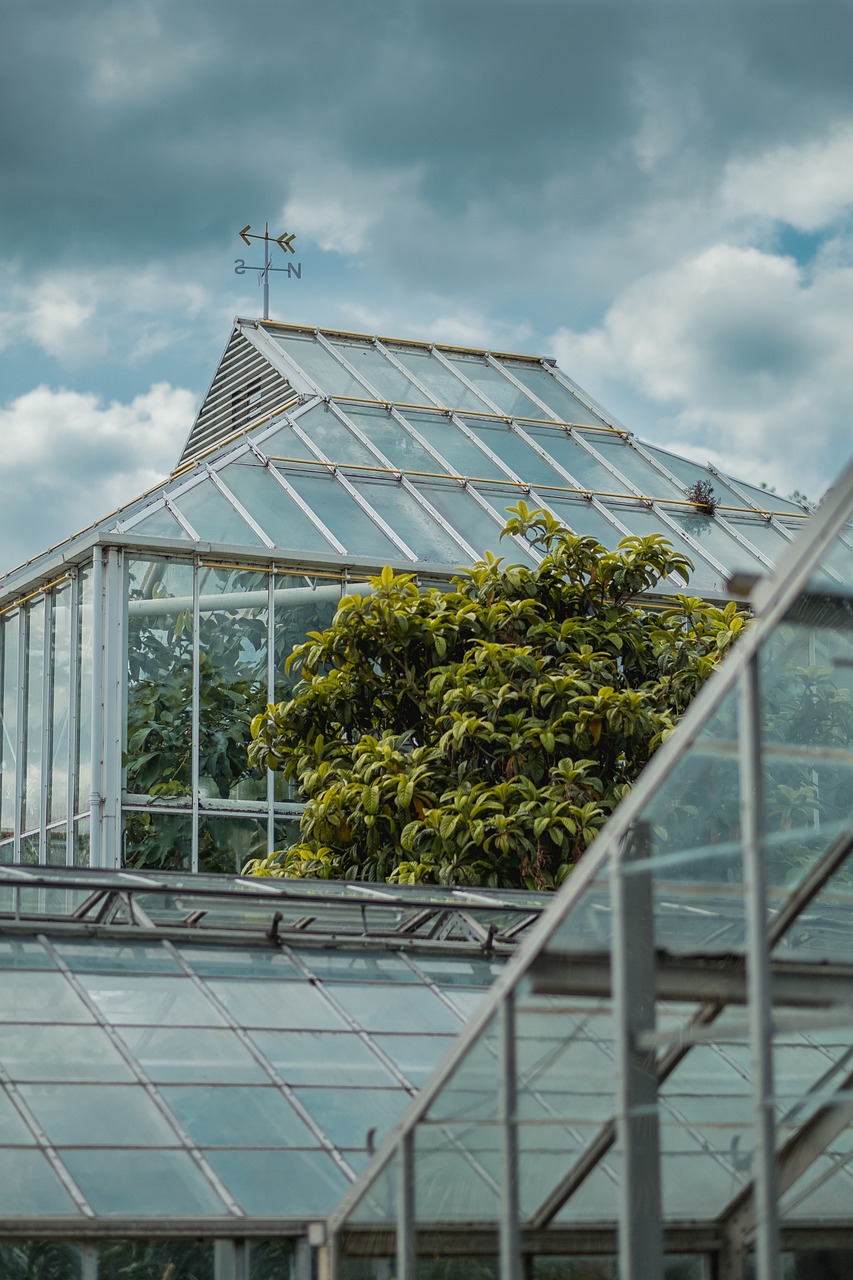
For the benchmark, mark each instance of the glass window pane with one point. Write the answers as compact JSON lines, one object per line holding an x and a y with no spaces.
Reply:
{"x":462,"y":510}
{"x":281,"y":1183}
{"x":389,"y":1008}
{"x":321,"y":366}
{"x":160,"y":523}
{"x":148,"y":1259}
{"x":34,"y":660}
{"x":198,"y":1055}
{"x":341,"y":514}
{"x":448,"y":390}
{"x":506,"y":442}
{"x":150,"y":1000}
{"x":322,"y":1057}
{"x":567,"y":450}
{"x":546,"y":387}
{"x":709,"y":533}
{"x":298,"y":1005}
{"x":401,"y":510}
{"x":279,"y":515}
{"x":389,"y":435}
{"x":30,"y":1187}
{"x":34,"y":1259}
{"x":225,"y":845}
{"x":130,"y":1183}
{"x":61,"y":1053}
{"x":492,"y":383}
{"x":57,"y":801}
{"x":768,"y":540}
{"x":389,"y":382}
{"x":223,"y":962}
{"x":157,"y":841}
{"x":581,"y":517}
{"x":88,"y":1115}
{"x":13,"y":1131}
{"x":463,"y":455}
{"x":627,"y":460}
{"x":357,"y":1118}
{"x":415,"y":1055}
{"x":96,"y":955}
{"x":8,"y":721}
{"x":213,"y":517}
{"x":40,"y":996}
{"x":229,"y":1116}
{"x":334,"y":439}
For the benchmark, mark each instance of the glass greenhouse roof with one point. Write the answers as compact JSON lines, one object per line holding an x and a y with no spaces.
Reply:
{"x":324,"y":445}
{"x":696,"y":968}
{"x":189,"y":1048}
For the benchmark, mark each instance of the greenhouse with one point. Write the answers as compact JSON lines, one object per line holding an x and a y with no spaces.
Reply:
{"x":132,"y":656}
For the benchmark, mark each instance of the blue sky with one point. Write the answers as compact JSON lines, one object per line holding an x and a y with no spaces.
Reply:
{"x":658,"y":194}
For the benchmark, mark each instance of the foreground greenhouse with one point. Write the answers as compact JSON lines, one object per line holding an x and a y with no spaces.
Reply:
{"x":132,"y":656}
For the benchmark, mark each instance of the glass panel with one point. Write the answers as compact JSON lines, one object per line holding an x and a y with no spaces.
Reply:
{"x":415,"y":1055}
{"x":271,"y":1004}
{"x":495,"y":386}
{"x":199,"y":1055}
{"x":86,"y":1115}
{"x":84,"y":715}
{"x":159,"y":697}
{"x":81,"y":843}
{"x":546,"y":388}
{"x":37,"y":1259}
{"x":569,"y":453}
{"x":641,"y":521}
{"x":156,"y":1260}
{"x":357,"y":1118}
{"x":512,"y":449}
{"x":341,"y":514}
{"x":769,"y":541}
{"x":96,"y":955}
{"x":41,"y":997}
{"x":462,"y":454}
{"x":131,"y":1183}
{"x":13,"y":1131}
{"x":57,"y":804}
{"x":30,"y":1187}
{"x":302,"y":604}
{"x":447,"y":389}
{"x":8,"y":721}
{"x":710,"y":534}
{"x":157,"y":841}
{"x":23,"y":953}
{"x":626,"y":459}
{"x":33,"y":708}
{"x":56,"y":852}
{"x":225,"y":845}
{"x":389,"y":435}
{"x":160,"y":523}
{"x":388,"y":381}
{"x":224,"y":962}
{"x":581,"y":517}
{"x":229,"y":1116}
{"x":150,"y":1000}
{"x":388,"y":1008}
{"x":689,"y":473}
{"x":464,"y":513}
{"x":334,"y":439}
{"x":320,"y":365}
{"x":408,"y":519}
{"x":213,"y":517}
{"x":322,"y":1057}
{"x":281,"y":1183}
{"x":60,"y":1053}
{"x":279,"y":515}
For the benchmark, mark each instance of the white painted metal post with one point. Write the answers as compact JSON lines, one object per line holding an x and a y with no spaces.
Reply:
{"x":114,"y":664}
{"x":758,"y":976}
{"x":510,"y":1248}
{"x":633,"y":985}
{"x":406,"y":1251}
{"x":96,"y":801}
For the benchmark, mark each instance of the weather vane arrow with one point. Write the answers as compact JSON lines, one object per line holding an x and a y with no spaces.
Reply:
{"x":284,"y":242}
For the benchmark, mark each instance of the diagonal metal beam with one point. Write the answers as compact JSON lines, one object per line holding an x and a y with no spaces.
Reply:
{"x":801,"y":897}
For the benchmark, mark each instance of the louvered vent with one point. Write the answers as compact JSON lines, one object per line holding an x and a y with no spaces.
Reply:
{"x":246,"y":388}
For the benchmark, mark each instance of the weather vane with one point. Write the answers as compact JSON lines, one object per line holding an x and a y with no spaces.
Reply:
{"x":285,"y":243}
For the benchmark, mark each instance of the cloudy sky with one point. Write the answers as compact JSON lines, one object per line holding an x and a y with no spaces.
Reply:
{"x":658,"y":194}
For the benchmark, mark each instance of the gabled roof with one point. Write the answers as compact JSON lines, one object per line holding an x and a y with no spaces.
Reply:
{"x":314,"y":443}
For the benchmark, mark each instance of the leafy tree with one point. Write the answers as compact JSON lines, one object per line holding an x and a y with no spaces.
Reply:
{"x":483,"y":734}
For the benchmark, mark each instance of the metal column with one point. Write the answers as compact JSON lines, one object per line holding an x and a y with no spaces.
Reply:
{"x":758,"y":975}
{"x":406,"y":1251}
{"x":112,"y":725}
{"x":633,"y":985}
{"x":510,"y":1248}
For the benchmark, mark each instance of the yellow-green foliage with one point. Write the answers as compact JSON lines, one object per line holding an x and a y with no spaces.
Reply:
{"x":483,"y":734}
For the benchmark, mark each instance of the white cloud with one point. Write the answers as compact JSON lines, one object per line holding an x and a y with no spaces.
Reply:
{"x":341,"y":210}
{"x":69,"y":459}
{"x":808,"y":186}
{"x":743,"y":355}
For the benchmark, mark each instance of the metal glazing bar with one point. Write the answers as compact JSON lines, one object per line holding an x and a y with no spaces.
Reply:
{"x":406,"y":1221}
{"x":181,"y":518}
{"x":509,"y":1237}
{"x":97,"y":708}
{"x":758,"y":975}
{"x":195,"y":713}
{"x":72,"y":772}
{"x":271,"y":776}
{"x":633,"y":964}
{"x":47,"y":679}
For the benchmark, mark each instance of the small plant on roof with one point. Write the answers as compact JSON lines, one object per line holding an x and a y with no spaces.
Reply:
{"x":701,"y":494}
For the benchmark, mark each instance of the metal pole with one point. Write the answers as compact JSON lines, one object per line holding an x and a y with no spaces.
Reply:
{"x":195,"y":721}
{"x":758,"y":976}
{"x":406,"y":1252}
{"x":266,"y":271}
{"x":510,"y":1247}
{"x":633,"y":984}
{"x":95,"y":796}
{"x":73,"y":714}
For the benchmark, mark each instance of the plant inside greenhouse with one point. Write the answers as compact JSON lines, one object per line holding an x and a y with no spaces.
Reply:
{"x":483,"y":734}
